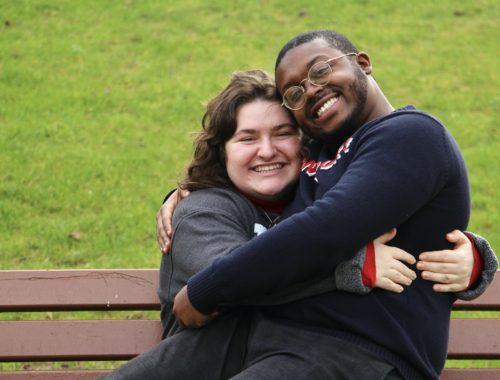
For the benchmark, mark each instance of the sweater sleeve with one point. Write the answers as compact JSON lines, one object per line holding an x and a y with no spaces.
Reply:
{"x":490,"y":267}
{"x":212,"y":226}
{"x":203,"y":230}
{"x":349,"y":274}
{"x":394,"y":172}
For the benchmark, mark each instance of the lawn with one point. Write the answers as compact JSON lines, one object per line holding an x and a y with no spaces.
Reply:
{"x":100,"y":100}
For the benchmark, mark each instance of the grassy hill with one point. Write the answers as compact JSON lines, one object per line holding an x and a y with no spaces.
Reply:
{"x":99,"y":101}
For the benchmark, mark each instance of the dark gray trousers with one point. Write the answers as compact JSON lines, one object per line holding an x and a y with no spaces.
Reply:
{"x":244,"y":345}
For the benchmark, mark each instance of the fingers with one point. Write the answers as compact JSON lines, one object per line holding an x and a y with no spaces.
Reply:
{"x":451,"y":274}
{"x":438,"y":266}
{"x":394,"y":275}
{"x":388,"y":236}
{"x":404,"y":256}
{"x":391,"y":271}
{"x":186,"y":314}
{"x":444,"y":278}
{"x":181,"y":194}
{"x":161,"y":234}
{"x":443,"y":288}
{"x":403,"y":275}
{"x":444,"y":256}
{"x":390,"y":285}
{"x":164,"y":220}
{"x":457,"y":237}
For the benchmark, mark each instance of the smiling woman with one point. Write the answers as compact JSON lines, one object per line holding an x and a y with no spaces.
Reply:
{"x":262,"y":157}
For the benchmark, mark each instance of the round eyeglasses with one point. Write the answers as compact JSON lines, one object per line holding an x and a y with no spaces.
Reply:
{"x":295,"y":97}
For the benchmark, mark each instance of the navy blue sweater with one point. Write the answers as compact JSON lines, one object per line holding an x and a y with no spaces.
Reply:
{"x":402,"y":170}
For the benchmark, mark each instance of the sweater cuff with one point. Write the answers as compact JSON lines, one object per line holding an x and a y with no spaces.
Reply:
{"x":348,"y":274}
{"x":478,"y":264}
{"x":369,"y":273}
{"x":203,"y":293}
{"x":490,"y":263}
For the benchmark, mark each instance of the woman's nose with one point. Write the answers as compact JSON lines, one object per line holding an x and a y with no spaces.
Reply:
{"x":267,"y":149}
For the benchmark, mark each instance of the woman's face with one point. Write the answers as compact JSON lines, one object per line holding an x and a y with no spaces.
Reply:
{"x":263,"y":156}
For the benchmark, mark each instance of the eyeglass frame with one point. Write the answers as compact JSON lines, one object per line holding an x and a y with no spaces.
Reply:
{"x":283,"y":104}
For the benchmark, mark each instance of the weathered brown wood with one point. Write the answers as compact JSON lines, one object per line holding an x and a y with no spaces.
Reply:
{"x":76,"y":340}
{"x":471,"y":374}
{"x":56,"y":290}
{"x":68,"y":290}
{"x":53,"y":375}
{"x":490,"y":300}
{"x":474,"y":338}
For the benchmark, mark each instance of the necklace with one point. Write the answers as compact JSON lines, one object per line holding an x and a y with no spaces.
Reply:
{"x":273,"y":219}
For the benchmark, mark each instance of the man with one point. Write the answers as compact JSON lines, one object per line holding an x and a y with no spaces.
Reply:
{"x":372,"y":168}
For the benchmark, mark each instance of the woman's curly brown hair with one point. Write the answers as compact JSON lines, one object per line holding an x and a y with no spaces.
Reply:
{"x":208,"y":168}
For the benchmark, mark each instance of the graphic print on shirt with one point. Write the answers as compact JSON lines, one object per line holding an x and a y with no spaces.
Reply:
{"x":311,"y":167}
{"x":258,"y":229}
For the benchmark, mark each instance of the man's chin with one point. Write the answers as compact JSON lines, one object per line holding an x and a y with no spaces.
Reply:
{"x":322,"y":132}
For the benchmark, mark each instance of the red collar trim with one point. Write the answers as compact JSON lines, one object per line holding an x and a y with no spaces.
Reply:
{"x":276,"y":206}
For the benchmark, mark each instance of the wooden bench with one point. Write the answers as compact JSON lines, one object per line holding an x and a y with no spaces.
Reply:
{"x":112,"y":290}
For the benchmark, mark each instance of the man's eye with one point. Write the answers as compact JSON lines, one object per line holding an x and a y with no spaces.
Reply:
{"x":294,"y":93}
{"x":319,"y":71}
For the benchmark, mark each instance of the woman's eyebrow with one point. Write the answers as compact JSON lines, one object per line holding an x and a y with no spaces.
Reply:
{"x":245,"y":131}
{"x":285,"y":125}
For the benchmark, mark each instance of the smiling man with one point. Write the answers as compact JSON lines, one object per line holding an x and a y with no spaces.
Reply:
{"x":371,"y":168}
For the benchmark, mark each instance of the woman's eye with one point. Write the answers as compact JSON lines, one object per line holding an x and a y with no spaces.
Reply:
{"x":286,"y":133}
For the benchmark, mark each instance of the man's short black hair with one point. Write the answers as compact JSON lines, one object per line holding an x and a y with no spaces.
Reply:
{"x":333,"y":38}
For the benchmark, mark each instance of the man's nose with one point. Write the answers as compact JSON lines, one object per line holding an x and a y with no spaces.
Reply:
{"x":310,"y":89}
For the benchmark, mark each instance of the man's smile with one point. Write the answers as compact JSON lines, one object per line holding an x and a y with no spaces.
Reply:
{"x":326,"y":106}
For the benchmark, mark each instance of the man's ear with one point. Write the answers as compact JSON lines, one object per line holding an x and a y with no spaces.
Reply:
{"x":364,"y":62}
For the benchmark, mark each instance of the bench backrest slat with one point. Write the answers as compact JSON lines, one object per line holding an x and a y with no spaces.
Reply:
{"x":77,"y":340}
{"x":473,"y":338}
{"x":53,"y":375}
{"x":65,"y":290}
{"x":124,"y":339}
{"x":490,"y":300}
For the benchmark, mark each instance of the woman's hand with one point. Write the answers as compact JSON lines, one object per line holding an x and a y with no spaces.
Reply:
{"x":185,"y":312}
{"x":451,"y":269}
{"x":164,"y":219}
{"x":391,"y":272}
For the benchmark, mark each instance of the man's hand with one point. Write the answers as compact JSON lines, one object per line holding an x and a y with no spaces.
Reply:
{"x":164,"y":219}
{"x":391,"y":272}
{"x":186,"y":314}
{"x":450,"y":268}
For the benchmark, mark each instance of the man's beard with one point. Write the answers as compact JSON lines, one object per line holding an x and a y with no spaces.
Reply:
{"x":359,"y":88}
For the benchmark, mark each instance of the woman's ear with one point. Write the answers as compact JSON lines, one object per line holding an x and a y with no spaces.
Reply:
{"x":364,"y":62}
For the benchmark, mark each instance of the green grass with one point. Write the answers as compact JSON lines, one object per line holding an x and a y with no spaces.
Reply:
{"x":99,"y":101}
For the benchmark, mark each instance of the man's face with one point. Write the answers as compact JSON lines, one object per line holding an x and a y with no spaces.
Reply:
{"x":337,"y":107}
